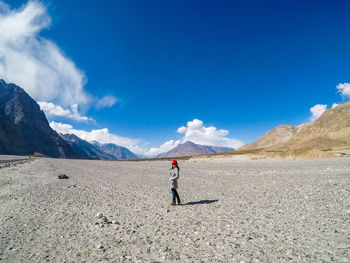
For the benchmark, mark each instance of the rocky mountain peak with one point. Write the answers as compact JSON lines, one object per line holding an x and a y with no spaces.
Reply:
{"x":24,"y":128}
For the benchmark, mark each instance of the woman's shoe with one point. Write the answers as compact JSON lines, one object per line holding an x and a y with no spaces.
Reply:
{"x":179,"y":203}
{"x":172,"y":203}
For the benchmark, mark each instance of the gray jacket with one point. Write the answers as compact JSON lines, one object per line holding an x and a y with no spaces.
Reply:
{"x":174,"y":175}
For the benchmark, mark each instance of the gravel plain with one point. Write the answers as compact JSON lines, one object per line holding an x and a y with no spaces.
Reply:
{"x":234,"y":211}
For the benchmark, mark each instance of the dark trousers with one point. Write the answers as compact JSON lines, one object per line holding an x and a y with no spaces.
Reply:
{"x":175,"y":195}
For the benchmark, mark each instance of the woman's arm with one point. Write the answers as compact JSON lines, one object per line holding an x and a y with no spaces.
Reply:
{"x":174,"y":174}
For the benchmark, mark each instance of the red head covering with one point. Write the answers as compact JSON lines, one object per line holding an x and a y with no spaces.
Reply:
{"x":174,"y":162}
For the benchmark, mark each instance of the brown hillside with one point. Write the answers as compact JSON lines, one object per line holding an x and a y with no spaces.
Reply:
{"x":275,"y":137}
{"x":309,"y":140}
{"x":330,"y":130}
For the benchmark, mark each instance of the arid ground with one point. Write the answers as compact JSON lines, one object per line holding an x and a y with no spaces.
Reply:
{"x":234,"y":211}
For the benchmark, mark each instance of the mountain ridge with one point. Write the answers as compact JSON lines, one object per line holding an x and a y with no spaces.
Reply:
{"x":119,"y":152}
{"x":189,"y":148}
{"x":24,"y":128}
{"x":84,"y":148}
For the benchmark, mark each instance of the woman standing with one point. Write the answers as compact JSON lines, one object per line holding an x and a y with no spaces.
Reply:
{"x":174,"y":175}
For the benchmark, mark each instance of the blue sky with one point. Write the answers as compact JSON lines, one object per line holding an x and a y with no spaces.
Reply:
{"x":240,"y":66}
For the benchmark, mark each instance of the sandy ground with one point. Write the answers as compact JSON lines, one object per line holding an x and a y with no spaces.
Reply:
{"x":235,"y":211}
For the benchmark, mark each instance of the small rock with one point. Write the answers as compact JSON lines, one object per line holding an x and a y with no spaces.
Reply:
{"x":99,"y":215}
{"x":63,"y":176}
{"x":99,"y":246}
{"x":104,"y":218}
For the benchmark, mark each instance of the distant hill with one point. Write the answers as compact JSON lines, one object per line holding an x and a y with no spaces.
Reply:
{"x":309,"y":140}
{"x":190,"y":149}
{"x":118,"y":152}
{"x":84,"y":148}
{"x":24,"y":128}
{"x":331,"y":129}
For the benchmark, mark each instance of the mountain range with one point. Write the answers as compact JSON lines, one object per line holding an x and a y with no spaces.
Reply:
{"x":189,"y":148}
{"x":84,"y":148}
{"x":117,"y":152}
{"x":25,"y":130}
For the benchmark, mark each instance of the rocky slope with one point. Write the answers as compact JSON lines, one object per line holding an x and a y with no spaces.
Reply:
{"x":24,"y":128}
{"x":189,"y":149}
{"x":277,"y":136}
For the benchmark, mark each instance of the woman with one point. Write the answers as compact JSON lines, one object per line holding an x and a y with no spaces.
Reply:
{"x":174,"y":175}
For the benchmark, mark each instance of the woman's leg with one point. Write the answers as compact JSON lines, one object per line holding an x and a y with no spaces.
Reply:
{"x":173,"y":193}
{"x":177,"y":197}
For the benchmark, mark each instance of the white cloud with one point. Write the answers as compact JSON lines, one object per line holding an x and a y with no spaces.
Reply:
{"x":198,"y":133}
{"x":317,"y":111}
{"x":107,"y":101}
{"x":344,"y":90}
{"x":195,"y":132}
{"x":165,"y":147}
{"x":35,"y":63}
{"x":334,"y":105}
{"x":99,"y":135}
{"x":51,"y":109}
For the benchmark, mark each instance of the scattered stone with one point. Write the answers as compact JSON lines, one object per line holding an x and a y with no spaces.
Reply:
{"x":63,"y":176}
{"x":99,"y":215}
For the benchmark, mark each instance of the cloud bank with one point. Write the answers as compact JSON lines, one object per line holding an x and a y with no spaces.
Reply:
{"x":51,"y":109}
{"x":196,"y":132}
{"x":35,"y":63}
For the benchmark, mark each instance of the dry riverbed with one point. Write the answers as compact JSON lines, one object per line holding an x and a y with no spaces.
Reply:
{"x":234,"y":211}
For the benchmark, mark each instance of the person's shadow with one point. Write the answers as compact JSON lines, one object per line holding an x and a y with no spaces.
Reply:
{"x":201,"y":202}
